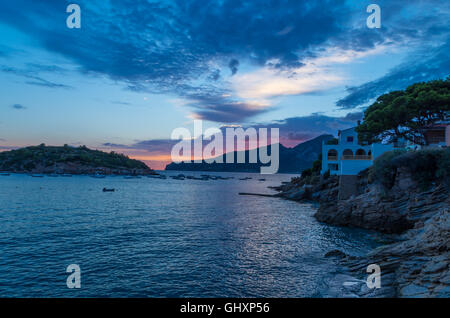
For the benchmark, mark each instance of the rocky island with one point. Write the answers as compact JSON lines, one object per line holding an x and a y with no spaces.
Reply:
{"x":403,"y":193}
{"x":44,"y":159}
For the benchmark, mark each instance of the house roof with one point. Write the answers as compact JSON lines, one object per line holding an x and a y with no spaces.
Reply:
{"x":342,"y":130}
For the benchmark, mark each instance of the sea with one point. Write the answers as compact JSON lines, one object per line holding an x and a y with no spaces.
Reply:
{"x":167,"y":238}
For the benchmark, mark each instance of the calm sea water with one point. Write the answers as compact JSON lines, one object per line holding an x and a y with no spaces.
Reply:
{"x":164,"y":238}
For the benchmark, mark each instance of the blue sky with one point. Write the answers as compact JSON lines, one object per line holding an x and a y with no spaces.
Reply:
{"x":138,"y":69}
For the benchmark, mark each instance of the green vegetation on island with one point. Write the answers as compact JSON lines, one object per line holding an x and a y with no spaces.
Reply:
{"x":68,"y":159}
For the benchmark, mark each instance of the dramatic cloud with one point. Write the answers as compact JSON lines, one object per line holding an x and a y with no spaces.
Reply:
{"x":423,"y":27}
{"x":31,"y":75}
{"x":428,"y":65}
{"x":156,"y":153}
{"x":117,"y":102}
{"x":18,"y":106}
{"x":7,"y":148}
{"x":198,"y":49}
{"x":155,"y":145}
{"x":181,"y":46}
{"x":292,"y":132}
{"x":314,"y":75}
{"x":233,"y":65}
{"x":223,"y":110}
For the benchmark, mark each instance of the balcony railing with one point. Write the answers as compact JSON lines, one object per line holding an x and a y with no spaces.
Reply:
{"x":332,"y":158}
{"x":357,"y":157}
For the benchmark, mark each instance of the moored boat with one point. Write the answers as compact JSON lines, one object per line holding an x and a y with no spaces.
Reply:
{"x":98,"y":176}
{"x":132,"y":177}
{"x":179,"y":177}
{"x":160,"y":176}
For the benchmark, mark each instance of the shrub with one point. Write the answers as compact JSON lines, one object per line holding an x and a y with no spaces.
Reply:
{"x":29,"y":166}
{"x":425,"y":167}
{"x":307,"y":173}
{"x":383,"y":169}
{"x":421,"y":164}
{"x":443,"y":168}
{"x":317,"y":166}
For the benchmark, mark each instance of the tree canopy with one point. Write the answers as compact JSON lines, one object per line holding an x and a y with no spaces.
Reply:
{"x":406,"y":113}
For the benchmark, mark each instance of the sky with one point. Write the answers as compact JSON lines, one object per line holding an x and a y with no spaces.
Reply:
{"x":136,"y":70}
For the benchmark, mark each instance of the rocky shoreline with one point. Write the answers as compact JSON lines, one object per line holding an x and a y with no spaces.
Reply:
{"x":417,"y":263}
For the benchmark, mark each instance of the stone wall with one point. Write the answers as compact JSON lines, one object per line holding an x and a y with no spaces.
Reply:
{"x":348,"y":186}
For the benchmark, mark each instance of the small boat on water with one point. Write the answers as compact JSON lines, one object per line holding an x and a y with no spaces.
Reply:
{"x":98,"y":176}
{"x":157,"y":176}
{"x":201,"y":178}
{"x":109,"y":190}
{"x":179,"y":177}
{"x":132,"y":177}
{"x":223,"y":178}
{"x":261,"y":179}
{"x":246,"y":178}
{"x":37,"y":175}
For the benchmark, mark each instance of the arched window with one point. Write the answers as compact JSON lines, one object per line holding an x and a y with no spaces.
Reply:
{"x":347,"y":154}
{"x":332,"y":154}
{"x":360,"y":152}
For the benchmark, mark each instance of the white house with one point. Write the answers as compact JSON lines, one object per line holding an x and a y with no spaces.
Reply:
{"x":348,"y":158}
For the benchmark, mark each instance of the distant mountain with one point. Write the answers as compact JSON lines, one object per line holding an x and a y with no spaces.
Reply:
{"x":67,"y":159}
{"x":292,"y":160}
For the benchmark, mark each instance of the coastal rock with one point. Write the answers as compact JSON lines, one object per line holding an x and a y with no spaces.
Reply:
{"x":417,"y":263}
{"x":296,"y":194}
{"x":412,"y":290}
{"x":389,"y":213}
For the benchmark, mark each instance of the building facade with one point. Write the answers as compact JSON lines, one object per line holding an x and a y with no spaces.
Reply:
{"x":348,"y":158}
{"x":438,"y":135}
